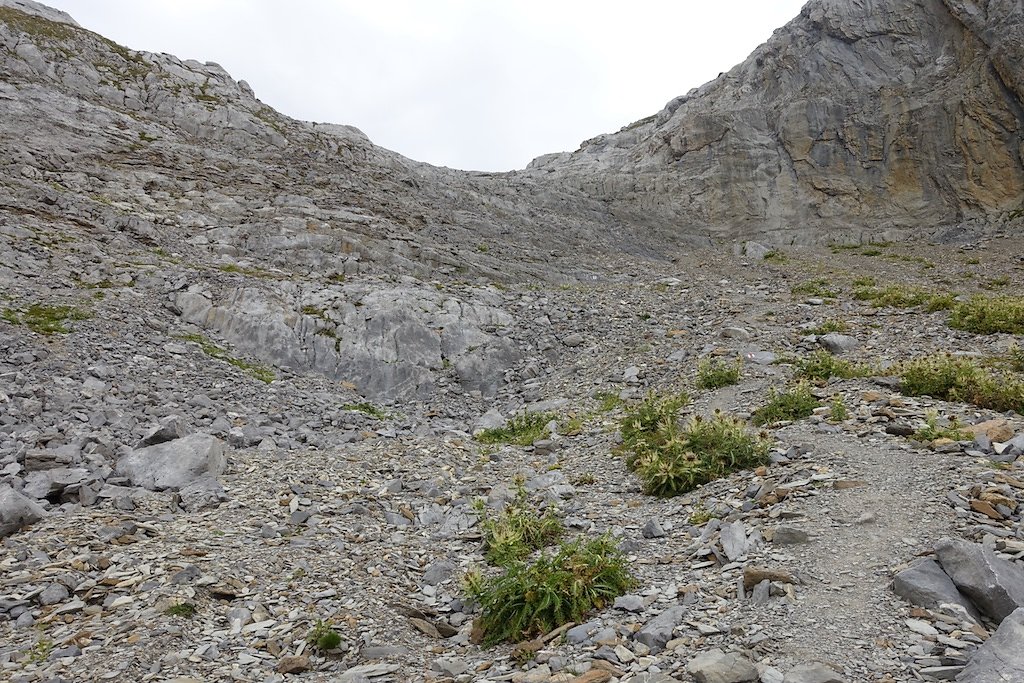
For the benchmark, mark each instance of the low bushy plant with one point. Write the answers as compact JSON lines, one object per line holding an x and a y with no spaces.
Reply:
{"x":989,"y":315}
{"x":932,"y":430}
{"x":819,"y":287}
{"x":651,"y":423}
{"x":517,"y":530}
{"x":963,"y":379}
{"x":323,"y":637}
{"x":905,"y":296}
{"x":717,"y":373}
{"x":828,"y":326}
{"x":531,"y":599}
{"x":795,"y":403}
{"x":821,"y":365}
{"x":521,"y":430}
{"x":703,"y":450}
{"x":837,"y":409}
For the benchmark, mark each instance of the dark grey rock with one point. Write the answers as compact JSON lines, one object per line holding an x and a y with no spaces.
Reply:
{"x":53,"y":594}
{"x":170,"y":428}
{"x":658,"y":631}
{"x":629,"y":603}
{"x":927,"y":585}
{"x":994,"y":585}
{"x":652,"y":529}
{"x":787,"y":535}
{"x":581,"y":634}
{"x":203,"y":493}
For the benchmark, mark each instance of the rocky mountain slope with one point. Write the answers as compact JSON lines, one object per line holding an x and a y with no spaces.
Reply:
{"x":242,"y":360}
{"x":856,"y":118}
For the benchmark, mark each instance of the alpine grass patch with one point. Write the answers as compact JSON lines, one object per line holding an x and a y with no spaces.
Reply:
{"x":717,"y":373}
{"x":932,"y":430}
{"x":819,"y":287}
{"x":795,"y":403}
{"x":531,"y":599}
{"x":521,"y":430}
{"x":44,"y":319}
{"x":820,"y":366}
{"x":905,"y":296}
{"x":960,"y":378}
{"x":989,"y":315}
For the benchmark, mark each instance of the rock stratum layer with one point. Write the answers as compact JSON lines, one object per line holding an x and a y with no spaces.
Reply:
{"x":857,"y":115}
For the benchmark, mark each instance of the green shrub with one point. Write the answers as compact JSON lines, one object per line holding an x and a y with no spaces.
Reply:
{"x":182,"y":609}
{"x":717,"y":373}
{"x":650,"y":424}
{"x":940,"y":376}
{"x":932,"y":430}
{"x":820,"y":287}
{"x":793,"y":404}
{"x":820,"y":365}
{"x":323,"y":637}
{"x":680,"y":459}
{"x":989,"y":315}
{"x":963,"y":379}
{"x":828,"y":326}
{"x":517,"y":530}
{"x":521,"y":430}
{"x":837,"y":409}
{"x":1015,"y":357}
{"x":532,"y":599}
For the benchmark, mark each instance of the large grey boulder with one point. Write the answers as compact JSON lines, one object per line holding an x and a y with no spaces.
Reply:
{"x":926,"y":585}
{"x":994,"y":585}
{"x":1000,"y":659}
{"x":17,"y":511}
{"x":715,"y":666}
{"x":812,"y":673}
{"x":174,"y":464}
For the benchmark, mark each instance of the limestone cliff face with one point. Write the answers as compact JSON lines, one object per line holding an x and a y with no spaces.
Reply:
{"x":859,"y":116}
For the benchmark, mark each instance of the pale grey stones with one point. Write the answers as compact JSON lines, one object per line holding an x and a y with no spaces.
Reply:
{"x":813,"y":673}
{"x":174,"y":464}
{"x":838,"y":344}
{"x":715,"y":666}
{"x":17,"y":511}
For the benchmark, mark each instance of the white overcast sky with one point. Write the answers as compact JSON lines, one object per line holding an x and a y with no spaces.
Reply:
{"x":471,"y":84}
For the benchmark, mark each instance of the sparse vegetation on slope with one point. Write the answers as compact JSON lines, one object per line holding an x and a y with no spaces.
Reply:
{"x":530,"y":599}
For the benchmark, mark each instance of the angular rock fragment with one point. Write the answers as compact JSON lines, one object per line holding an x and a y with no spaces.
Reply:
{"x":174,"y":464}
{"x":658,"y":631}
{"x":994,"y":585}
{"x":716,"y":666}
{"x":1000,"y":659}
{"x":17,"y":511}
{"x":926,"y":585}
